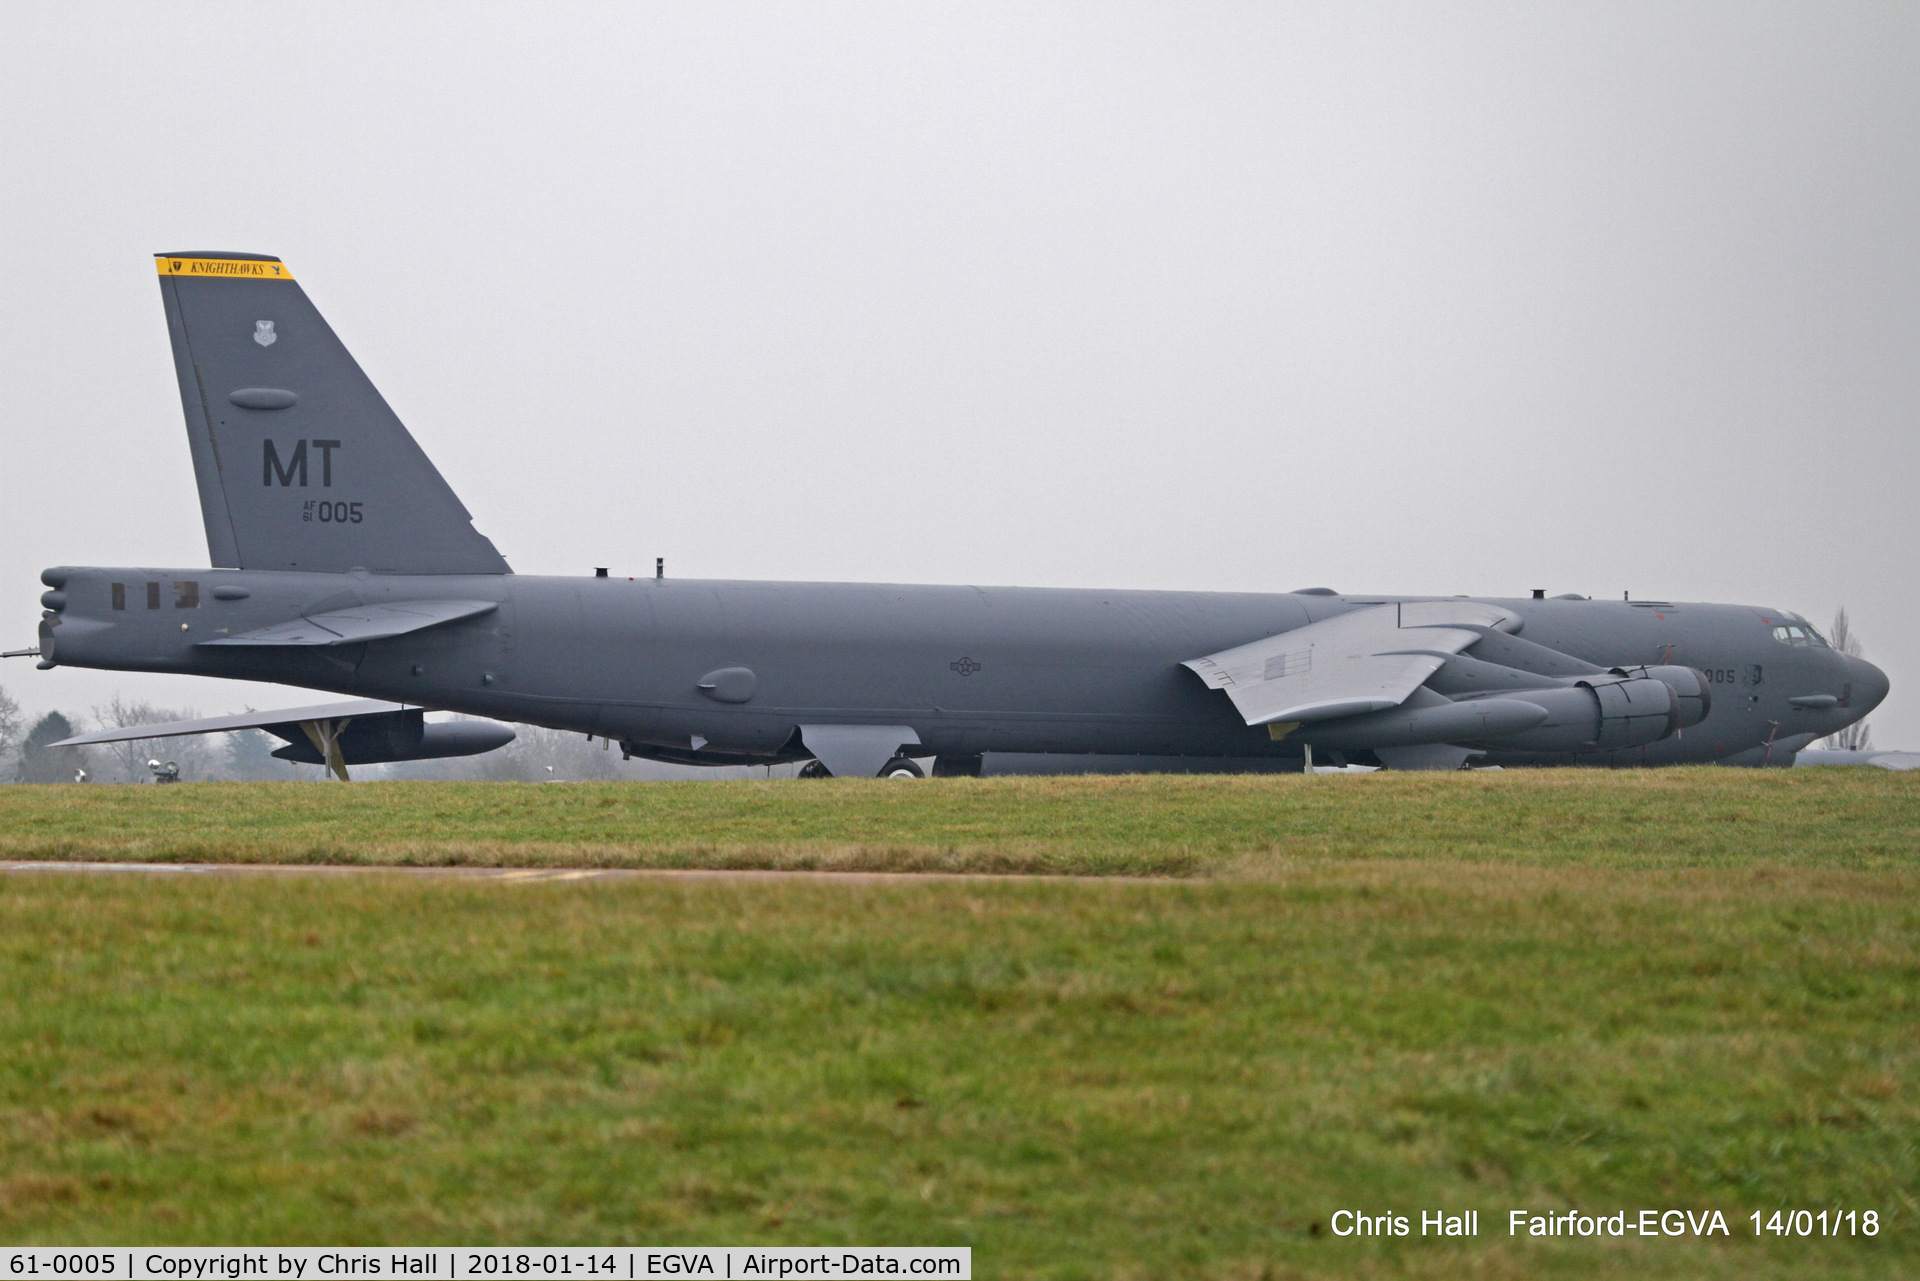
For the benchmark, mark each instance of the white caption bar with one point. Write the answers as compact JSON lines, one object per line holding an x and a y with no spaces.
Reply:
{"x":465,"y":1263}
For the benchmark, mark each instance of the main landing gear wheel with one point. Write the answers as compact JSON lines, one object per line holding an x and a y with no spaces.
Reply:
{"x":814,"y":769}
{"x":901,"y":767}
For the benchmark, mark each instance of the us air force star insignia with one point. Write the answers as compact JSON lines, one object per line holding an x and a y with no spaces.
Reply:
{"x":263,"y":333}
{"x":965,"y":666}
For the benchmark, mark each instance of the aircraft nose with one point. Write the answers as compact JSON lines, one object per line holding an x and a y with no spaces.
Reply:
{"x":1869,"y":684}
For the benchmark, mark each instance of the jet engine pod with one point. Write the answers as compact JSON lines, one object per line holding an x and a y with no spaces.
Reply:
{"x":1596,"y":714}
{"x":398,"y":736}
{"x":1633,"y":712}
{"x":1692,"y":697}
{"x":1426,"y":718}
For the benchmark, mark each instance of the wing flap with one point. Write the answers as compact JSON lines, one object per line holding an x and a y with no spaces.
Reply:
{"x":1366,"y":660}
{"x":361,"y":623}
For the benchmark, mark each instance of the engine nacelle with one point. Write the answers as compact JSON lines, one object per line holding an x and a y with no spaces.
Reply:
{"x":1425,"y":718}
{"x":1692,"y":696}
{"x":1607,"y":713}
{"x":404,"y":736}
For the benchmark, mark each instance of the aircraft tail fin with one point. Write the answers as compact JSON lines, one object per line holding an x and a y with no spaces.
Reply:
{"x":301,"y":464}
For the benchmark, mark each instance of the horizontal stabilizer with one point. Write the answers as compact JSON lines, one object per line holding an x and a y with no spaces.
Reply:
{"x":1367,"y":660}
{"x":361,"y":623}
{"x":226,"y":724}
{"x":367,"y":731}
{"x":1864,"y":756}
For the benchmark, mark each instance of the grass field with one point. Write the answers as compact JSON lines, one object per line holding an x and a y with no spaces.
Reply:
{"x":1686,"y":989}
{"x":1155,"y":825}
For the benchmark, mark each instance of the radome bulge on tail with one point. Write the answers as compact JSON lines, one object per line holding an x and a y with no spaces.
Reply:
{"x":343,"y":561}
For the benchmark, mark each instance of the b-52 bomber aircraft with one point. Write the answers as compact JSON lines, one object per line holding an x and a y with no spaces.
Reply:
{"x":343,"y":562}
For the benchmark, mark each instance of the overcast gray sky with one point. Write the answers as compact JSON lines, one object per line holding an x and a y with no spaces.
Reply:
{"x":1392,"y":298}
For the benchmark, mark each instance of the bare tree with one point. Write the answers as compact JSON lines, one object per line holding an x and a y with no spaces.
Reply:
{"x":249,"y":758}
{"x":130,"y":758}
{"x":1856,"y":737}
{"x":10,"y":724}
{"x":536,"y":755}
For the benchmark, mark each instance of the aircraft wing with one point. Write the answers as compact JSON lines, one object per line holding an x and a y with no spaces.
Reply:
{"x":1367,"y":660}
{"x":361,"y":623}
{"x":285,"y":716}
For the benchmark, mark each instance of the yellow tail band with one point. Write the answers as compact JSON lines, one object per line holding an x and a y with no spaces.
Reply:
{"x":247,"y":268}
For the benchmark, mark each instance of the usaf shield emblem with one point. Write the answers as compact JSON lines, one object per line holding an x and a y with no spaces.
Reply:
{"x":263,"y":333}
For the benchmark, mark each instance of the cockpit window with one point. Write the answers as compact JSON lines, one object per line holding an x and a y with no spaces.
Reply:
{"x":1799,"y":637}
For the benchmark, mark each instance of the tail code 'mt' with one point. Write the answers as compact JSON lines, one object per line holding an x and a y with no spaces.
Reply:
{"x":301,"y":464}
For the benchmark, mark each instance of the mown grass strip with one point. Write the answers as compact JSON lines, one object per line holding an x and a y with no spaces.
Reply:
{"x":1700,"y":817}
{"x":1077,"y":1079}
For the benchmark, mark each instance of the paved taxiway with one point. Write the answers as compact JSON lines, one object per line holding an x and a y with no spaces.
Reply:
{"x":544,"y":874}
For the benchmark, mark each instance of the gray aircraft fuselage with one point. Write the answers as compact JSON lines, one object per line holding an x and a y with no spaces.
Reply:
{"x":306,"y":474}
{"x":971,"y":669}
